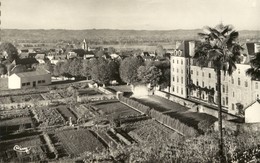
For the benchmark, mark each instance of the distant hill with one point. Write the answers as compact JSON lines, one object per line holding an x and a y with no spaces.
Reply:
{"x":107,"y":36}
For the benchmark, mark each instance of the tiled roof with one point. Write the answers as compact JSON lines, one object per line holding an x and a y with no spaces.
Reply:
{"x":32,"y":73}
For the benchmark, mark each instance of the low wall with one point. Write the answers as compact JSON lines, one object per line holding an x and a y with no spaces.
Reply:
{"x":96,"y":98}
{"x":102,"y":89}
{"x":194,"y":106}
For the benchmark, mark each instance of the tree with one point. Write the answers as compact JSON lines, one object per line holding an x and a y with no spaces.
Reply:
{"x":10,"y":50}
{"x":254,"y":71}
{"x":220,"y":48}
{"x":114,"y":67}
{"x":128,"y":69}
{"x":57,"y":69}
{"x":47,"y":66}
{"x":3,"y":69}
{"x":101,"y":71}
{"x":149,"y":75}
{"x":76,"y":68}
{"x":160,"y":51}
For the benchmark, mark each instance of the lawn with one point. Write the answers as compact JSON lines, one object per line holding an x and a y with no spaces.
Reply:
{"x":116,"y":109}
{"x":161,"y":104}
{"x":79,"y":141}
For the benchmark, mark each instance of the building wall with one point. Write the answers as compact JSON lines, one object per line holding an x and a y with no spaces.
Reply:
{"x":179,"y":76}
{"x":252,"y":113}
{"x":14,"y":82}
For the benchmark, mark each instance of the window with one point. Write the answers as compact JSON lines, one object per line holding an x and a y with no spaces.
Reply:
{"x":177,"y":70}
{"x":202,"y":84}
{"x":173,"y":69}
{"x":177,"y":61}
{"x":197,"y":73}
{"x":43,"y":81}
{"x":256,"y":85}
{"x":173,"y":88}
{"x":223,"y":101}
{"x":197,"y":82}
{"x":246,"y":84}
{"x":23,"y":84}
{"x":177,"y":89}
{"x":181,"y":80}
{"x":227,"y":89}
{"x":173,"y":61}
{"x":177,"y":79}
{"x":227,"y":100}
{"x":232,"y":80}
{"x":223,"y":87}
{"x":238,"y":81}
{"x":191,"y":71}
{"x":209,"y":75}
{"x":39,"y":81}
{"x":181,"y":71}
{"x":233,"y":94}
{"x":233,"y":107}
{"x":28,"y":83}
{"x":181,"y":61}
{"x":203,"y":74}
{"x":173,"y":78}
{"x":181,"y":90}
{"x":238,"y":71}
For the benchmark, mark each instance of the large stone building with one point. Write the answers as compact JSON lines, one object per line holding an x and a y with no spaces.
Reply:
{"x":189,"y":80}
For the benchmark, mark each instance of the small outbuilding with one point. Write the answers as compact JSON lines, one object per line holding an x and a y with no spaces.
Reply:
{"x":252,"y":112}
{"x":29,"y":79}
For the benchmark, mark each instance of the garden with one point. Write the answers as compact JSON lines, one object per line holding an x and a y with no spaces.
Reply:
{"x":78,"y":141}
{"x":115,"y":109}
{"x":150,"y":131}
{"x":37,"y":150}
{"x":48,"y":116}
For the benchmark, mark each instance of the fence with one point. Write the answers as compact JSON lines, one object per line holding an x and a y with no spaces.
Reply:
{"x":96,"y":98}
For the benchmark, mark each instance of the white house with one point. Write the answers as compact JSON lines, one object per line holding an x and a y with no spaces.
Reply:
{"x":252,"y":112}
{"x":29,"y":79}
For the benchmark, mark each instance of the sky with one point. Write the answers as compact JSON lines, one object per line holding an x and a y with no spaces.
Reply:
{"x":129,"y":14}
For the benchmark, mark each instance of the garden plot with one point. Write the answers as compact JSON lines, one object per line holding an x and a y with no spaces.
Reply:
{"x":76,"y":142}
{"x":192,"y":118}
{"x":150,"y":130}
{"x":89,"y":92}
{"x":15,"y":125}
{"x":83,"y":111}
{"x":51,"y":96}
{"x":21,"y":98}
{"x":10,"y":114}
{"x":37,"y":150}
{"x":48,"y":116}
{"x":37,"y":97}
{"x":116,"y":109}
{"x":5,"y":100}
{"x":66,"y":113}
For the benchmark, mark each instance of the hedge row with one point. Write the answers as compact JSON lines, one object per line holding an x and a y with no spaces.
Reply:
{"x":142,"y":108}
{"x":174,"y":123}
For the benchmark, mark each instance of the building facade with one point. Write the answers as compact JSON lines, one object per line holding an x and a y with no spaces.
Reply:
{"x":29,"y":79}
{"x":189,"y":80}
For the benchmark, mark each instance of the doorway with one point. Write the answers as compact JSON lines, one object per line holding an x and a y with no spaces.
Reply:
{"x":34,"y":84}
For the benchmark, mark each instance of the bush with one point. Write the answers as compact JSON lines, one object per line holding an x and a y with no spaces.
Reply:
{"x":142,"y":108}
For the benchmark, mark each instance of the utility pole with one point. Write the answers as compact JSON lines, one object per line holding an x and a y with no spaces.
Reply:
{"x":0,"y":24}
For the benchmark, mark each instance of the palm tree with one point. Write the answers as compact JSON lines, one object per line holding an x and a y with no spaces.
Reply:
{"x":219,"y":47}
{"x":254,"y":71}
